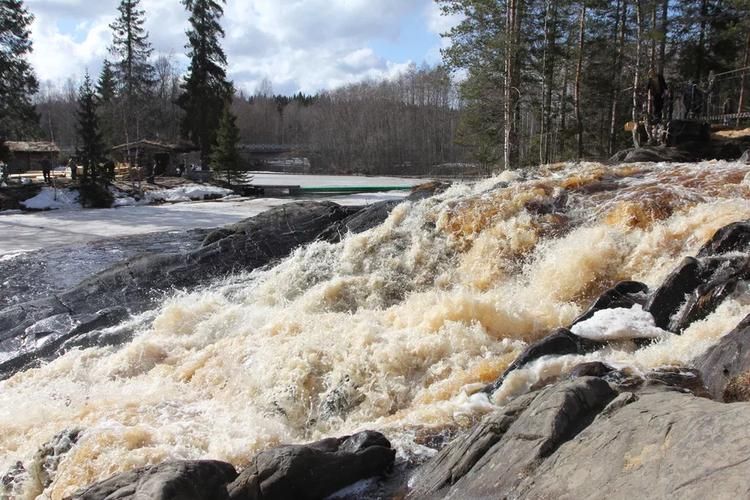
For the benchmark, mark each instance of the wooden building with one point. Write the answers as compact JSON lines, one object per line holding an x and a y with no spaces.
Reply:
{"x":25,"y":156}
{"x":155,"y":157}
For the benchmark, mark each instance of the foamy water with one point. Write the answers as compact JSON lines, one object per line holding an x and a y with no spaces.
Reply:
{"x":394,"y":329}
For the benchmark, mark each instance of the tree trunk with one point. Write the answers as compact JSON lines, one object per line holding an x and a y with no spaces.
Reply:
{"x":546,"y":83}
{"x":741,"y":100}
{"x":636,"y":72}
{"x":654,"y":31}
{"x":663,"y":42}
{"x":699,"y":54}
{"x":511,"y":91}
{"x":579,"y":71}
{"x":617,"y":73}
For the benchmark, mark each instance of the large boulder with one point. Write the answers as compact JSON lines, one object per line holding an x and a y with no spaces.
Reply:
{"x":580,"y":439}
{"x":725,"y":367}
{"x":313,"y":471}
{"x":41,"y":328}
{"x":559,"y":342}
{"x":173,"y":480}
{"x":492,"y":459}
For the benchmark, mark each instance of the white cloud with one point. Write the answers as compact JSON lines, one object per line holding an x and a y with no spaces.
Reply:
{"x":303,"y":45}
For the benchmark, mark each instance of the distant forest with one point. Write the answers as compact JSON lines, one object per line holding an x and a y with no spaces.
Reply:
{"x":522,"y":82}
{"x":404,"y":125}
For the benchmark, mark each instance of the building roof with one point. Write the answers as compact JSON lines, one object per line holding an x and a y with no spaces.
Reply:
{"x":32,"y":147}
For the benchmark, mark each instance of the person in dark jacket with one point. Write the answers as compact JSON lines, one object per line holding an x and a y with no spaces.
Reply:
{"x":656,"y":88}
{"x":46,"y":170}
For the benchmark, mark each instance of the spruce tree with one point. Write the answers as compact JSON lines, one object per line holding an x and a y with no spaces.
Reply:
{"x":206,"y":90}
{"x":133,"y":69}
{"x":17,"y":81}
{"x":106,"y":87}
{"x":225,"y":158}
{"x":91,"y":151}
{"x":106,"y":95}
{"x":132,"y":49}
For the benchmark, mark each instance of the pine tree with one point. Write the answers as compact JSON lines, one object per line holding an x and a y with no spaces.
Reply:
{"x":206,"y":89}
{"x":17,"y":81}
{"x":91,"y":152}
{"x":225,"y":158}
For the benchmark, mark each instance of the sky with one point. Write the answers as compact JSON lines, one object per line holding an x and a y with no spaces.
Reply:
{"x":299,"y":45}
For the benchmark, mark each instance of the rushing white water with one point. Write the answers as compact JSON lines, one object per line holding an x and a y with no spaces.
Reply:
{"x":393,"y":329}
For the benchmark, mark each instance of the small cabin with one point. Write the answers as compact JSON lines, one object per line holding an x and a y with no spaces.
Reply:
{"x":156,"y":157}
{"x":26,"y":156}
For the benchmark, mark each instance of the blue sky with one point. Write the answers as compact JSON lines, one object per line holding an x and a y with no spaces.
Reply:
{"x":300,"y":45}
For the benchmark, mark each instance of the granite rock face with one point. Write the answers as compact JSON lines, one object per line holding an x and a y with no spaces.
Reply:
{"x":583,"y":438}
{"x":42,"y":328}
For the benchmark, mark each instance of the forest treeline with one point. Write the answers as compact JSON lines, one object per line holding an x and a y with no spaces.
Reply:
{"x":522,"y":82}
{"x":551,"y":80}
{"x":402,"y":125}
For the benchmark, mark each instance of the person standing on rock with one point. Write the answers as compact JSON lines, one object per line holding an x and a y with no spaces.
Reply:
{"x":656,"y":88}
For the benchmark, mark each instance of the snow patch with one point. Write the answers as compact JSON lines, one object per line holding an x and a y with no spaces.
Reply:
{"x":186,"y":193}
{"x":54,"y":199}
{"x":620,"y":324}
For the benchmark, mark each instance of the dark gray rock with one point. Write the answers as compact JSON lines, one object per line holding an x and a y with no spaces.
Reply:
{"x":591,"y":369}
{"x":36,"y":329}
{"x":364,"y":218}
{"x":667,"y":299}
{"x":624,"y":294}
{"x":313,"y":471}
{"x":654,"y":154}
{"x":687,"y":132}
{"x":492,"y":459}
{"x":559,"y":342}
{"x":727,"y":274}
{"x":727,"y":359}
{"x":733,"y":237}
{"x":360,"y":221}
{"x":174,"y":480}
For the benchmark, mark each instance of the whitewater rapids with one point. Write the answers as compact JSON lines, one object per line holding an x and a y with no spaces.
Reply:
{"x":393,"y":329}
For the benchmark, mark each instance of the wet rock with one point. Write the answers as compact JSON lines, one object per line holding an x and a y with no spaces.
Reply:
{"x":426,"y":190}
{"x":364,"y":218}
{"x":687,"y":379}
{"x":720,"y":278}
{"x":734,"y":237}
{"x":624,"y":294}
{"x":559,"y":342}
{"x":667,"y":299}
{"x":745,"y":158}
{"x":313,"y":471}
{"x":173,"y":480}
{"x":592,"y":369}
{"x":687,"y":132}
{"x":360,"y":221}
{"x":653,"y":154}
{"x":726,"y":360}
{"x":139,"y":283}
{"x":508,"y":445}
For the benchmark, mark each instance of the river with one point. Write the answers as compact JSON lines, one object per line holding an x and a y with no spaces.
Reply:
{"x":394,"y":329}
